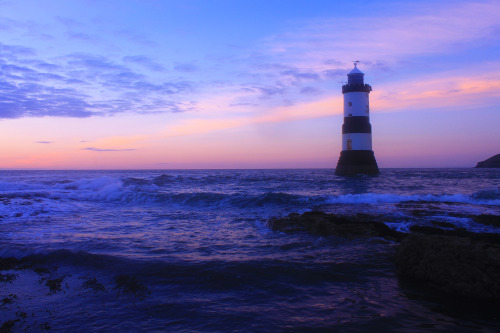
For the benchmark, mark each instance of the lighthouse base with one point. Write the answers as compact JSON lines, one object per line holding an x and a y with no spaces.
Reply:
{"x":357,"y":162}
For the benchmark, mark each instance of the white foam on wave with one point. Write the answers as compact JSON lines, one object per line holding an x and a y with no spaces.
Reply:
{"x":376,"y":198}
{"x":103,"y":188}
{"x":400,"y":226}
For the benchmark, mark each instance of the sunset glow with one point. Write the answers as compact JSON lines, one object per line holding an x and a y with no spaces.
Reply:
{"x":244,"y":84}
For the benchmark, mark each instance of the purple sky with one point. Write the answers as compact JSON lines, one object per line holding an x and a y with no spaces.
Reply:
{"x":244,"y":84}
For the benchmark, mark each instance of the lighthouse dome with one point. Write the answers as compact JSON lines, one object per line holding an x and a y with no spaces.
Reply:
{"x":356,"y":70}
{"x":355,"y":76}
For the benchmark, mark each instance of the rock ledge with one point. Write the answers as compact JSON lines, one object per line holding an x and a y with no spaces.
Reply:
{"x":456,"y":262}
{"x":492,"y":162}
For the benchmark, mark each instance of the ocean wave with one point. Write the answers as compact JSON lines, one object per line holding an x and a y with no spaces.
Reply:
{"x":36,"y":255}
{"x":489,"y":194}
{"x":487,"y":197}
{"x":213,"y":274}
{"x":194,"y":191}
{"x":114,"y":192}
{"x":117,"y":192}
{"x":6,"y":187}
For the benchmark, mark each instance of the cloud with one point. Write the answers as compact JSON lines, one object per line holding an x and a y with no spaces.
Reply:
{"x":310,"y":91}
{"x":70,"y":23}
{"x":186,"y":67}
{"x":5,"y":23}
{"x":436,"y":29}
{"x":82,"y":36}
{"x":304,"y":110}
{"x":333,"y":62}
{"x":448,"y":91}
{"x":299,"y":76}
{"x":93,"y":62}
{"x":302,"y":63}
{"x":289,"y":68}
{"x":106,"y":149}
{"x":334,"y":74}
{"x":282,"y":72}
{"x":144,"y":61}
{"x":273,"y":67}
{"x":134,"y":37}
{"x":36,"y":100}
{"x":83,"y":85}
{"x":44,"y":142}
{"x":275,"y":83}
{"x":271,"y":91}
{"x":15,"y":51}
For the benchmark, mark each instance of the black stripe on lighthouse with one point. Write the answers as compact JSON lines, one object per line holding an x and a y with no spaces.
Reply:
{"x":356,"y":124}
{"x":356,"y":87}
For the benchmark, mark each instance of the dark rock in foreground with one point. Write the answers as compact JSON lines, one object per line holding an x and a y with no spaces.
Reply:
{"x":459,"y":232}
{"x":458,"y":266}
{"x":485,"y":219}
{"x":457,"y":262}
{"x":323,"y":224}
{"x":492,"y":162}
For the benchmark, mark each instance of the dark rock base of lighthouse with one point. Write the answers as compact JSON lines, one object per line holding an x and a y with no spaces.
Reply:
{"x":357,"y":162}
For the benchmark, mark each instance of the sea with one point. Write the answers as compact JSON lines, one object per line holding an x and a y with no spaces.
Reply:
{"x":191,"y":251}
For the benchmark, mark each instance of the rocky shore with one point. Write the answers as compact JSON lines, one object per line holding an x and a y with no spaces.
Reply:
{"x":429,"y":260}
{"x":48,"y":278}
{"x":453,"y":261}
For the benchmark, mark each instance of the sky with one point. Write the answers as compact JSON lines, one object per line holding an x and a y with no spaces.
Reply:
{"x":164,"y":84}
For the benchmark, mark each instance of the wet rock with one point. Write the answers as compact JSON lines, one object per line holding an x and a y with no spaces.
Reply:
{"x":22,"y":314}
{"x":488,"y":219}
{"x":421,"y":212}
{"x":444,"y":224}
{"x":94,"y":285}
{"x":492,"y":162}
{"x":459,"y":232}
{"x":7,"y":300}
{"x":460,"y":266}
{"x":54,"y":284}
{"x":8,"y":325}
{"x":9,"y":263}
{"x":7,"y":277}
{"x":45,"y":326}
{"x":41,"y":270}
{"x":131,"y":285}
{"x":324,"y":224}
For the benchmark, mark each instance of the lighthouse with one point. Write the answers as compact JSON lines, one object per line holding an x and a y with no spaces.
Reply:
{"x":357,"y":156}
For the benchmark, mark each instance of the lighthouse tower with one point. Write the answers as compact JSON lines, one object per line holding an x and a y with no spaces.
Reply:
{"x":357,"y":156}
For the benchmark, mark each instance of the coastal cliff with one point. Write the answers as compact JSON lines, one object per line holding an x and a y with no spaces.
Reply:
{"x":492,"y":162}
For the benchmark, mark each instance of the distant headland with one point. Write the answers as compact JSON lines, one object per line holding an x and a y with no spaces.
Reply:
{"x":492,"y":162}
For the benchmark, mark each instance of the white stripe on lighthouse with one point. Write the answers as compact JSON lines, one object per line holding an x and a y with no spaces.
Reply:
{"x":356,"y":104}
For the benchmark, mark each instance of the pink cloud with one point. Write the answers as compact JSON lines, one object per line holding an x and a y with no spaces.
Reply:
{"x":429,"y":30}
{"x":449,"y":90}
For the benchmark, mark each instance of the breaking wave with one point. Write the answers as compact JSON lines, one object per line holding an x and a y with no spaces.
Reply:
{"x":157,"y":190}
{"x":487,"y":197}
